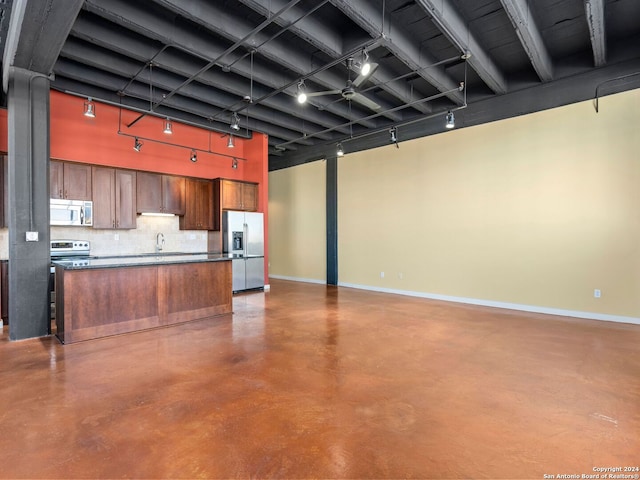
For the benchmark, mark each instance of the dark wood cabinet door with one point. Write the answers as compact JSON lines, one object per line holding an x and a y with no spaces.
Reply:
{"x":250,"y":197}
{"x":231,"y":193}
{"x":125,"y":198}
{"x":173,"y":194}
{"x":205,"y":205}
{"x":148,"y":192}
{"x":56,"y":179}
{"x":198,"y":213}
{"x":77,"y":181}
{"x":103,"y":197}
{"x":4,"y":200}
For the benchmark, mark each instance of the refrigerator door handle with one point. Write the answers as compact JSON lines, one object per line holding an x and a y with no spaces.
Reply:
{"x":245,"y":233}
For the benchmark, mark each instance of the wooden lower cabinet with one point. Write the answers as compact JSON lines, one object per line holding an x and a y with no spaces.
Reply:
{"x":98,"y":302}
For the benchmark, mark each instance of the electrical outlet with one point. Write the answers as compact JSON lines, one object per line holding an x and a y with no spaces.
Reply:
{"x":381,"y":274}
{"x":400,"y":276}
{"x":597,"y":293}
{"x":116,"y":236}
{"x":32,"y":236}
{"x":192,"y":236}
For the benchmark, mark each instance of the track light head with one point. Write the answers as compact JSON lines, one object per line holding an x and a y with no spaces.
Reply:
{"x":137,"y":144}
{"x":302,"y":95}
{"x":234,"y":163}
{"x":168,"y":128}
{"x":365,"y":68}
{"x":340,"y":151}
{"x":393,"y":135}
{"x":235,"y":122}
{"x":89,"y":108}
{"x":451,"y":120}
{"x":194,"y":156}
{"x":230,"y":143}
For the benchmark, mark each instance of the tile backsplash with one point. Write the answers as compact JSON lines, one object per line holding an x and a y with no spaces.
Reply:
{"x":140,"y":240}
{"x":128,"y":242}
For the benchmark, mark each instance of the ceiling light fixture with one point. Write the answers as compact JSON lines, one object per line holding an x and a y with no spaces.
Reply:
{"x":365,"y":68}
{"x":137,"y":144}
{"x":234,"y":163}
{"x":340,"y":151}
{"x":394,"y":136}
{"x":235,"y":122}
{"x":230,"y":143}
{"x":89,"y":108}
{"x":168,"y":129}
{"x":302,"y":95}
{"x":194,"y":156}
{"x":451,"y":120}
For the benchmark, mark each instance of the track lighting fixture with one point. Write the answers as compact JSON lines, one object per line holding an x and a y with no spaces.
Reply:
{"x":137,"y":144}
{"x":340,"y":151}
{"x":194,"y":156}
{"x":302,"y":95}
{"x":230,"y":143}
{"x":234,"y":163}
{"x":451,"y":120}
{"x":89,"y":108}
{"x":394,"y":135}
{"x":235,"y":122}
{"x":168,"y":129}
{"x":365,"y":68}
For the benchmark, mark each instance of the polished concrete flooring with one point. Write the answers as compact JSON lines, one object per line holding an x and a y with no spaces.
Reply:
{"x":308,"y":381}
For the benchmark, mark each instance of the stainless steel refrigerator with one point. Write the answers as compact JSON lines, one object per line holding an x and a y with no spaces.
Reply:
{"x":243,"y":236}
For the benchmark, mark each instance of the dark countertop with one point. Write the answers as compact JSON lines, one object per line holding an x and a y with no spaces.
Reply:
{"x":141,"y":260}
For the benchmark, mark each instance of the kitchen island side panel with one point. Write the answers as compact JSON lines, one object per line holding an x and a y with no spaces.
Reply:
{"x":192,"y":291}
{"x":98,"y":302}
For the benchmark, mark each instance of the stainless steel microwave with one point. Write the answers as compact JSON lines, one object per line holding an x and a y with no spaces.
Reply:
{"x":78,"y":213}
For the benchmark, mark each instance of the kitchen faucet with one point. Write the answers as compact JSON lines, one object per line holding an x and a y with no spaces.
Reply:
{"x":159,"y":242}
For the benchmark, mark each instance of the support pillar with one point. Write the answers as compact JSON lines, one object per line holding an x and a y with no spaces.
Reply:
{"x":332,"y":220}
{"x":28,"y":198}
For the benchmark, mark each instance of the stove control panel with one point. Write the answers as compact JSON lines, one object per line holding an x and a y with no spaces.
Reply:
{"x":67,"y":248}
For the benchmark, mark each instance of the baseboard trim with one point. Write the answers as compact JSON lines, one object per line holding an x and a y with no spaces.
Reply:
{"x":298,"y":279}
{"x":510,"y":306}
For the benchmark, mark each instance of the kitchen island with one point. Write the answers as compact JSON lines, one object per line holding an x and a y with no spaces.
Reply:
{"x":98,"y":297}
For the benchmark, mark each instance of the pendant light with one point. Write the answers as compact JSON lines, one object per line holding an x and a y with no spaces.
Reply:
{"x":89,"y":108}
{"x":230,"y":143}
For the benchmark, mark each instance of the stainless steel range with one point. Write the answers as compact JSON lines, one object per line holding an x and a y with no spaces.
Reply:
{"x":76,"y":250}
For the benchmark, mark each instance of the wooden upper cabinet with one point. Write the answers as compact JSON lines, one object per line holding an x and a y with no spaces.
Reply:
{"x":114,"y":198}
{"x":71,"y":181}
{"x":157,"y":193}
{"x":199,"y":205}
{"x":236,"y":195}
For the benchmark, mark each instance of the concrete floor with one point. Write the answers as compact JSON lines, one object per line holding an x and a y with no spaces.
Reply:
{"x":309,"y":381}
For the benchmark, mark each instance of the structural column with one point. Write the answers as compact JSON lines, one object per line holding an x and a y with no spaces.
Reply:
{"x":332,"y":221}
{"x":28,"y":204}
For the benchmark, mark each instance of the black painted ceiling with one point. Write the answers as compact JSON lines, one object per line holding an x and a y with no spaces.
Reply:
{"x":202,"y":60}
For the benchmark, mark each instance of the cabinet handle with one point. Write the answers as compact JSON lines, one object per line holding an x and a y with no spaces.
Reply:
{"x":60,"y":194}
{"x":113,"y":223}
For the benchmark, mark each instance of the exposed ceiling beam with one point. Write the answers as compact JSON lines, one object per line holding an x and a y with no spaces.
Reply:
{"x":126,"y":68}
{"x":453,"y":26}
{"x":37,"y":31}
{"x":522,"y":20}
{"x":214,"y":17}
{"x":594,"y":10}
{"x":370,"y":20}
{"x":176,"y":61}
{"x":164,"y":30}
{"x":328,"y":40}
